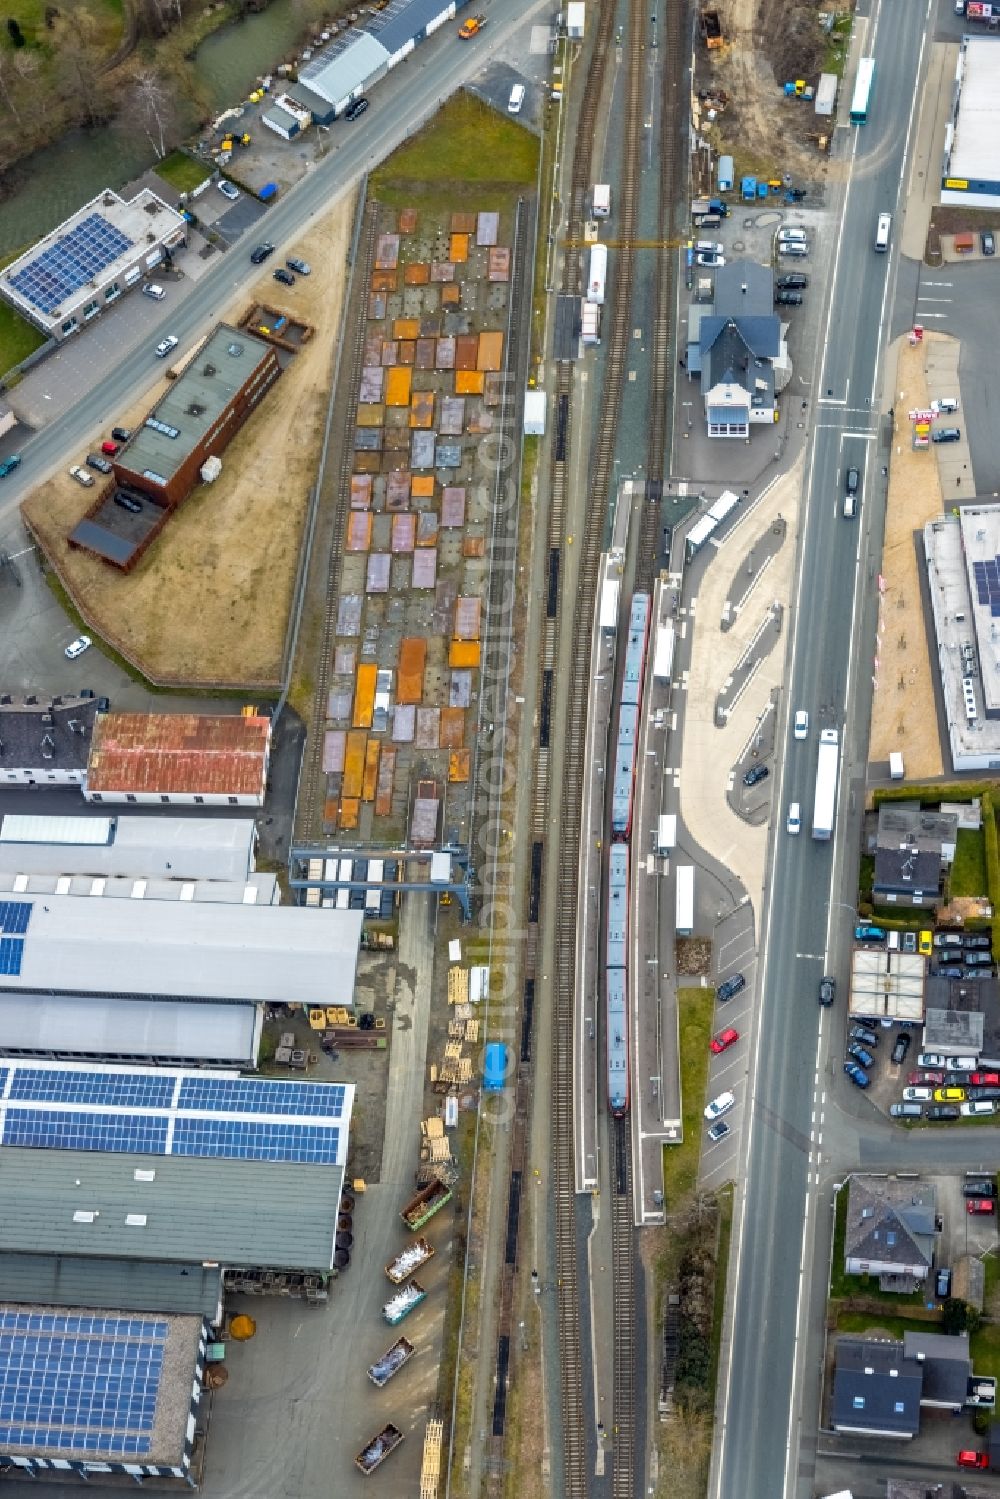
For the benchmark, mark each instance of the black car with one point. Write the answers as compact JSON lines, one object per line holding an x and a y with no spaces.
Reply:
{"x":987,"y":243}
{"x":794,"y":281}
{"x":755,"y":774}
{"x":788,"y":298}
{"x":976,"y":975}
{"x":867,"y":1038}
{"x":977,"y":939}
{"x":356,"y":108}
{"x":977,"y":1095}
{"x":731,"y":986}
{"x":852,"y":482}
{"x":827,"y":990}
{"x":285,"y":277}
{"x":300,"y":267}
{"x":941,"y":1111}
{"x":860,"y":1055}
{"x":977,"y":959}
{"x":121,"y":434}
{"x":942,"y":1283}
{"x":985,"y":1188}
{"x":261,"y":252}
{"x":949,"y":971}
{"x":127,"y":502}
{"x":901,"y":1047}
{"x":94,"y":460}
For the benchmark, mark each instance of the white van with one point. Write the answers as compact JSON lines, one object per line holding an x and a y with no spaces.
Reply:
{"x":516,"y":99}
{"x":785,"y":235}
{"x":850,"y":506}
{"x":794,"y":823}
{"x":882,"y":231}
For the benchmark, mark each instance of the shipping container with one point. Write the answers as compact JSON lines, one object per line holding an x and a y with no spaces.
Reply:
{"x":597,"y":274}
{"x":666,"y":833}
{"x":495,"y":1068}
{"x":354,"y":764}
{"x":590,"y":324}
{"x":684,"y":924}
{"x":380,"y":708}
{"x":410,"y":681}
{"x":371,"y":771}
{"x":490,"y":353}
{"x":364,"y":696}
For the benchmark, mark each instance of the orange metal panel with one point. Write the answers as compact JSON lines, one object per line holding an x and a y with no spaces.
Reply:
{"x":459,"y":248}
{"x":422,"y":409}
{"x":364,"y":695}
{"x":359,"y":531}
{"x":452,"y":728}
{"x":466,"y":351}
{"x":463,"y":653}
{"x":469,"y":382}
{"x":354,"y":765}
{"x":410,"y":676}
{"x":417,"y":274}
{"x":371,"y":771}
{"x":458,"y":765}
{"x":384,"y":281}
{"x":349,"y":808}
{"x":464,"y":223}
{"x":490,"y":351}
{"x":422,"y":486}
{"x":406,"y":327}
{"x":397,"y":388}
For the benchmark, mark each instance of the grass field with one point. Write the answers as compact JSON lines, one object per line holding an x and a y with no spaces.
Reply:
{"x":875,"y":1322}
{"x":18,"y":338}
{"x":182,"y":171}
{"x":968,"y":873}
{"x":30,"y":16}
{"x":466,"y":143}
{"x":680,"y":1162}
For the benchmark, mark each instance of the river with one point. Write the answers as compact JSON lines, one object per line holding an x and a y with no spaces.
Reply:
{"x":52,"y":183}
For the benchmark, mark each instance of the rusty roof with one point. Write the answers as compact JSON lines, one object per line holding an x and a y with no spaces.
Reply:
{"x":222,"y":754}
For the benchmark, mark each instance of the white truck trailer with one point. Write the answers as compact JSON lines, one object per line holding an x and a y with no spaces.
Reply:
{"x":827,"y":775}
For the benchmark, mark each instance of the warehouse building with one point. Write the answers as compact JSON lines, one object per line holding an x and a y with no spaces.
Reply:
{"x":104,"y":250}
{"x":62,"y":945}
{"x":962,"y":552}
{"x":156,"y":849}
{"x":45,"y":741}
{"x":971,"y":168}
{"x":195,"y":420}
{"x":194,"y":759}
{"x":177,"y":1178}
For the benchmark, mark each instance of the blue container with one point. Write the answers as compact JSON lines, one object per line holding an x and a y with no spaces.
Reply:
{"x":495,"y":1069}
{"x":748,"y":189}
{"x":267,"y":192}
{"x":762,"y":189}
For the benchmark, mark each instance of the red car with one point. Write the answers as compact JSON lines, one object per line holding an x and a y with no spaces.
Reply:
{"x":970,"y":1459}
{"x":925,"y":1079}
{"x":986,"y":1079}
{"x":110,"y":448}
{"x":724,"y":1040}
{"x":984,"y":1205}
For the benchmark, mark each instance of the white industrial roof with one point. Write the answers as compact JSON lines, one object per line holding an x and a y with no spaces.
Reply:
{"x":977,"y":127}
{"x":183,"y":949}
{"x":177,"y":848}
{"x":887,"y":984}
{"x":79,"y":1025}
{"x":255,"y":890}
{"x":342,"y":69}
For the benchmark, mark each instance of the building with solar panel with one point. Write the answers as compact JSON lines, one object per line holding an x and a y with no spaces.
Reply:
{"x":90,"y":260}
{"x":139,"y":1191}
{"x":962,"y":552}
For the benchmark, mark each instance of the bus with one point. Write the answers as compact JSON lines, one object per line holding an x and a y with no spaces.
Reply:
{"x":863,"y":91}
{"x":882,"y":229}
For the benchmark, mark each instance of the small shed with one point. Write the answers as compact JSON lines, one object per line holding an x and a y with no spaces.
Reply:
{"x":575,"y":14}
{"x":534,"y":413}
{"x":495,"y":1067}
{"x":725,"y":174}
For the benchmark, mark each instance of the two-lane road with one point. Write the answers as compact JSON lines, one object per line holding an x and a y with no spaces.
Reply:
{"x":805,"y":928}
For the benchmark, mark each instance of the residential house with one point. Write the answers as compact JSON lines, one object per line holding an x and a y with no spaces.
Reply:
{"x":876,"y":1389}
{"x":913,"y":848}
{"x":734,"y":346}
{"x":890,"y":1230}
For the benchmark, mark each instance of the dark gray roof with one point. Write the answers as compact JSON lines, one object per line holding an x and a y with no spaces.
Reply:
{"x":406,"y":20}
{"x":102,"y":540}
{"x":946,"y":1365}
{"x":261,"y":1214}
{"x":732,"y":358}
{"x":127,"y":1285}
{"x":22,"y":731}
{"x":117,"y":1029}
{"x":875,"y":1388}
{"x":890,"y":1221}
{"x":899,"y":822}
{"x":745,"y":288}
{"x":908,"y":870}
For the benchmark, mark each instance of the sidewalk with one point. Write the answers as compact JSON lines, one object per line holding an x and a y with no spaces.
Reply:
{"x":925,"y":171}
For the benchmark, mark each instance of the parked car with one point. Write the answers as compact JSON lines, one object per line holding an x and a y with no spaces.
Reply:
{"x":983,"y":1207}
{"x":720,"y":1105}
{"x":164,"y":347}
{"x":724,"y":1040}
{"x":981,"y":1188}
{"x":947,"y":434}
{"x":788,"y":299}
{"x":926,"y":1079}
{"x":121,"y":434}
{"x":940,"y":1112}
{"x":865,"y":1036}
{"x":127,"y":502}
{"x":794,"y":281}
{"x":987,"y":243}
{"x":710,"y":258}
{"x":300,"y":267}
{"x":81,"y":476}
{"x":852,"y":481}
{"x":906,"y":1111}
{"x":860,"y":1055}
{"x":901,"y":1047}
{"x":98,"y":461}
{"x":976,"y":1095}
{"x":754,"y":774}
{"x":962,"y":1064}
{"x":977,"y":939}
{"x":909,"y":941}
{"x":866,"y":932}
{"x":285,"y":277}
{"x":801,"y":726}
{"x":260,"y":252}
{"x":985,"y":1079}
{"x":8,"y":465}
{"x":516,"y":99}
{"x":976,"y":975}
{"x":970,"y":1459}
{"x":977,"y":959}
{"x":827,"y":990}
{"x":976,"y":1109}
{"x":925,"y":944}
{"x":729,"y":987}
{"x":942,"y":1283}
{"x":931,"y":1059}
{"x":357,"y":107}
{"x":949,"y":1095}
{"x":858,"y":1075}
{"x":229,"y":190}
{"x":947,"y":939}
{"x":152,"y":290}
{"x":920,"y":1094}
{"x":77,"y":647}
{"x":948,"y":971}
{"x":109,"y":448}
{"x":718,"y":1131}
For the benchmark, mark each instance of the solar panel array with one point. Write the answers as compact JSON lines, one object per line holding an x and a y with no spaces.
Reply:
{"x":77,"y":257}
{"x":987,"y":575}
{"x":171,"y":1113}
{"x":14,"y":918}
{"x":86,"y":1385}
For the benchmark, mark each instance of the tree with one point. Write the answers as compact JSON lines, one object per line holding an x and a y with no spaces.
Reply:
{"x":958,"y":1316}
{"x":151,"y":107}
{"x":14,"y":32}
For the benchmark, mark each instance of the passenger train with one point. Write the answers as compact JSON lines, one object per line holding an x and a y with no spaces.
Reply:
{"x":616,"y":967}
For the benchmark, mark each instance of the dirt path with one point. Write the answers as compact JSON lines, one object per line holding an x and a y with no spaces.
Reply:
{"x":209,"y":602}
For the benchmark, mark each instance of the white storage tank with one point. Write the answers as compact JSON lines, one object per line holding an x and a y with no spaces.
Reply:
{"x":598,"y":274}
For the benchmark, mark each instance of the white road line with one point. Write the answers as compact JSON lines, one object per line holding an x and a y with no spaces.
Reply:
{"x":812,"y":957}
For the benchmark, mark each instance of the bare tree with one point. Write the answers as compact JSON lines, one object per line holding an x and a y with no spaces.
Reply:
{"x":151,"y":108}
{"x":8,"y":85}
